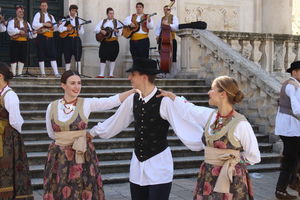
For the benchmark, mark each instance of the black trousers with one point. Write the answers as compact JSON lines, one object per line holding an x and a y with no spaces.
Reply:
{"x":108,"y":51}
{"x":18,"y":51}
{"x":291,"y":153}
{"x":139,"y":48}
{"x":174,"y":58}
{"x":72,"y":46}
{"x":150,"y":192}
{"x":46,"y":49}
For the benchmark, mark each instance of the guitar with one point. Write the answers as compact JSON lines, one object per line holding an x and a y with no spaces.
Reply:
{"x":128,"y":31}
{"x":109,"y":31}
{"x":72,"y":31}
{"x":48,"y":29}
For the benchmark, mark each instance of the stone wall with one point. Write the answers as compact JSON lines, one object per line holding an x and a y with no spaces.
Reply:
{"x":221,"y":15}
{"x":208,"y":56}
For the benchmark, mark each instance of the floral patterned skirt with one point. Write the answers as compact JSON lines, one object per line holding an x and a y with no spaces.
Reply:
{"x":14,"y":172}
{"x":65,"y":179}
{"x":240,"y":188}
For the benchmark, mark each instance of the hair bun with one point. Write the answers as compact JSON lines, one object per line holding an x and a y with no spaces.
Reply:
{"x":239,"y":96}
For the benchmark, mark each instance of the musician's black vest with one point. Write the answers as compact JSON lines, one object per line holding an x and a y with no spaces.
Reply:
{"x":150,"y":129}
{"x":69,"y":22}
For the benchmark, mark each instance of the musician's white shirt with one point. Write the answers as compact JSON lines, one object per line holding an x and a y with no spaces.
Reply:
{"x":109,"y":23}
{"x":36,"y":21}
{"x":2,"y":28}
{"x":63,"y":28}
{"x":174,"y":26}
{"x":138,"y":19}
{"x":11,"y":30}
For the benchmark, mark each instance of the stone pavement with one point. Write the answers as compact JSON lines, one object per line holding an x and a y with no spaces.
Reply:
{"x":263,"y":183}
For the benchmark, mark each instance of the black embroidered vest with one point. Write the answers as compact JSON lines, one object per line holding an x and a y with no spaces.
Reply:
{"x":150,"y":129}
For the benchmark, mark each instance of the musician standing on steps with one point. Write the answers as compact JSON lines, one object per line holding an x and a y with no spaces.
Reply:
{"x":139,"y":41}
{"x":19,"y":31}
{"x":72,"y":43}
{"x":46,"y":25}
{"x":2,"y":24}
{"x":172,"y":21}
{"x":109,"y":47}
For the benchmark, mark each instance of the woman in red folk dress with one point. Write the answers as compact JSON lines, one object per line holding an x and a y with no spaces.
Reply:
{"x":71,"y":170}
{"x":14,"y":171}
{"x":229,"y":140}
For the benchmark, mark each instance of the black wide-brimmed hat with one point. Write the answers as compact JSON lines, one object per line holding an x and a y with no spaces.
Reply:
{"x":145,"y":66}
{"x":294,"y":65}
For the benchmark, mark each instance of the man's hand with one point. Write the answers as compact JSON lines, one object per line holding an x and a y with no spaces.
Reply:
{"x":132,"y":25}
{"x":69,"y":28}
{"x":103,"y":32}
{"x":47,"y":24}
{"x":149,"y":19}
{"x":165,"y":22}
{"x":89,"y":137}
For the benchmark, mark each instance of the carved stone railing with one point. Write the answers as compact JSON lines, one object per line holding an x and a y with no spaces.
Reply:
{"x":206,"y":55}
{"x":272,"y":52}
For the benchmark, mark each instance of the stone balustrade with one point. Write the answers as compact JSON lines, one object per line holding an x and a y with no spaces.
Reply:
{"x":206,"y":55}
{"x":272,"y":52}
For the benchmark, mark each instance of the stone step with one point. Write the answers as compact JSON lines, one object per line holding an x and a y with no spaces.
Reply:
{"x":53,"y":96}
{"x":116,"y":153}
{"x":104,"y":81}
{"x":34,"y":135}
{"x":42,"y":105}
{"x":178,"y":172}
{"x":37,"y":183}
{"x":112,"y":143}
{"x":104,"y":89}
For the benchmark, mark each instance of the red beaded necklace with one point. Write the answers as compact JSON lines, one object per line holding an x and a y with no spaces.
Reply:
{"x":220,"y":120}
{"x":69,"y":106}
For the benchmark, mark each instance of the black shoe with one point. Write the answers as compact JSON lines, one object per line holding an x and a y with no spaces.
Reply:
{"x":284,"y":195}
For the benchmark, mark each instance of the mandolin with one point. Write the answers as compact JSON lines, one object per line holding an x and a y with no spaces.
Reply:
{"x":128,"y":31}
{"x":27,"y":32}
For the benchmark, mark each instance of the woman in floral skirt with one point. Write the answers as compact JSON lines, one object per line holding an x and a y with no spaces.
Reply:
{"x":14,"y":171}
{"x":71,"y":171}
{"x":229,"y":140}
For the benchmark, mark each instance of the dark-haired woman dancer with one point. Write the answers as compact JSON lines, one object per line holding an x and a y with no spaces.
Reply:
{"x":71,"y":170}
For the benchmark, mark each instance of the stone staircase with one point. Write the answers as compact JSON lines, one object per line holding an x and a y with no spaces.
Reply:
{"x":115,"y":154}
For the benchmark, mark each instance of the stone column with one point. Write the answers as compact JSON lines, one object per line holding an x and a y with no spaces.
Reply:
{"x":90,"y":61}
{"x":277,"y":16}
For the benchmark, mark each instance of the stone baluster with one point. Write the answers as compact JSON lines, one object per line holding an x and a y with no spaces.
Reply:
{"x":291,"y":55}
{"x":257,"y":54}
{"x":236,"y":45}
{"x":297,"y":45}
{"x":247,"y":49}
{"x":267,"y":60}
{"x":279,"y":55}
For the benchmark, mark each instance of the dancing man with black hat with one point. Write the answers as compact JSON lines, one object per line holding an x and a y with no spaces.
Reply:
{"x":151,"y":167}
{"x":287,"y":126}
